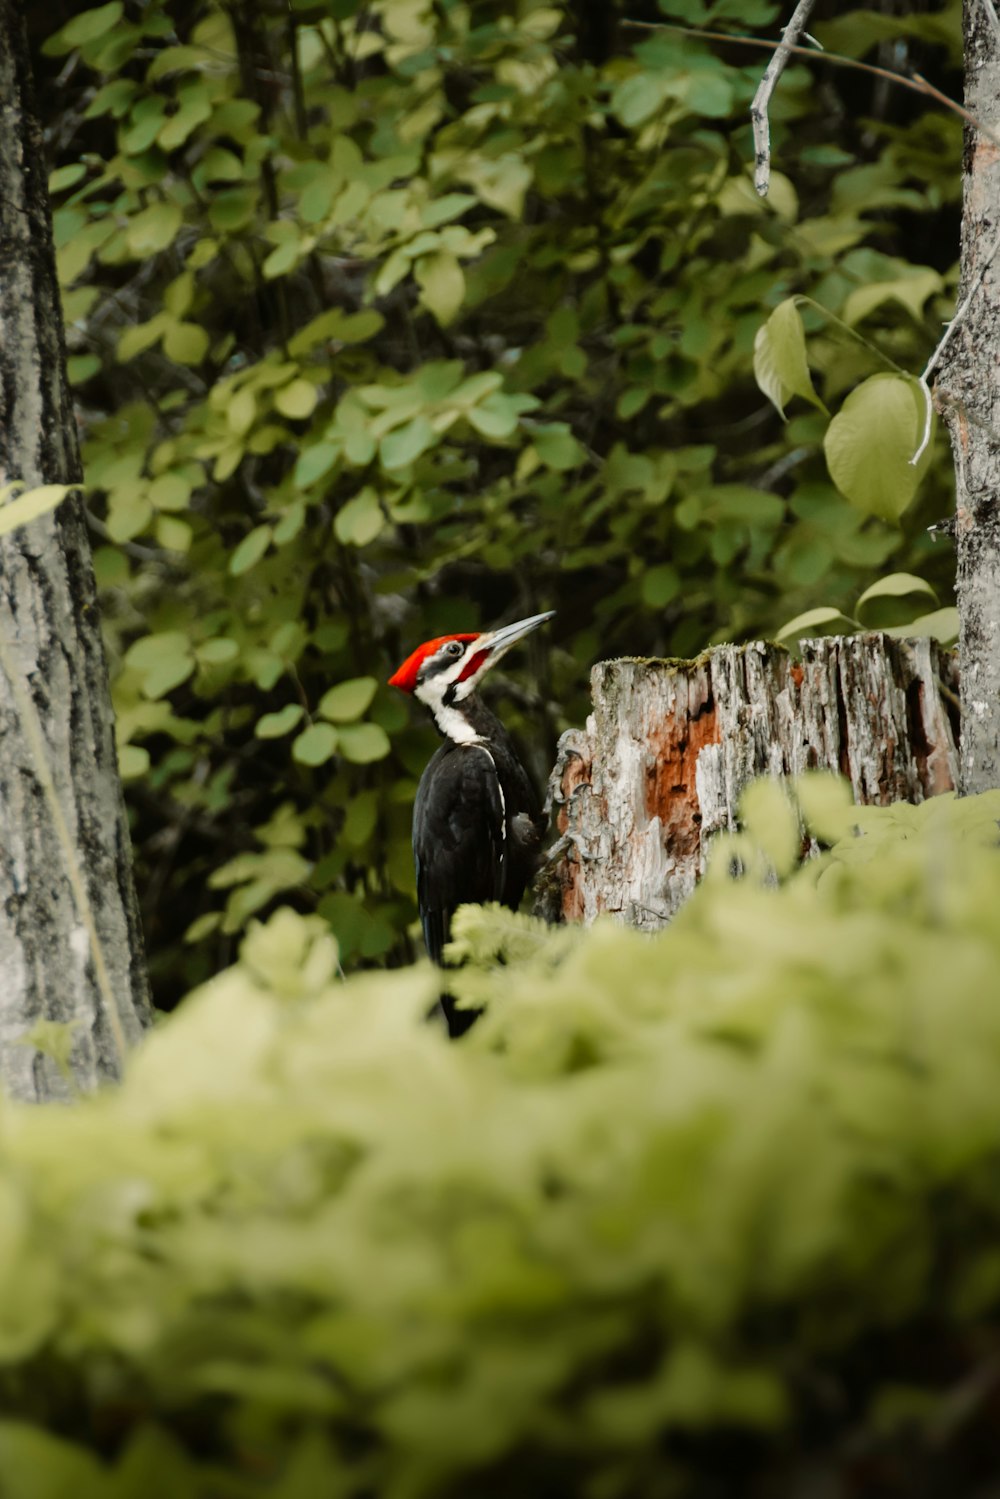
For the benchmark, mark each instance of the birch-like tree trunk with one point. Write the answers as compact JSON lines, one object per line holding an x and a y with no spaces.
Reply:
{"x":969,"y":393}
{"x":70,"y":944}
{"x":669,"y":747}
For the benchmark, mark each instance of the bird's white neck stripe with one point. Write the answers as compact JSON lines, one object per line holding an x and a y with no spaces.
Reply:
{"x":454,"y":725}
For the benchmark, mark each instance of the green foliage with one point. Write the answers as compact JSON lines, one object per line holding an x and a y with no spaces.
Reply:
{"x":874,"y":446}
{"x":395,"y":318}
{"x":896,"y":604}
{"x":671,"y":1215}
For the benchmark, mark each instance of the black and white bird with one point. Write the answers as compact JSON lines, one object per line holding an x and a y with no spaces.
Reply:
{"x":477,"y":819}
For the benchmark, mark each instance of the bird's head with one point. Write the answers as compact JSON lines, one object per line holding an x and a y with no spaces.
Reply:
{"x":446,"y":670}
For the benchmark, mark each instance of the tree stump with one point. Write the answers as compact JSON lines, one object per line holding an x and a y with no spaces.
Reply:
{"x":639,"y":793}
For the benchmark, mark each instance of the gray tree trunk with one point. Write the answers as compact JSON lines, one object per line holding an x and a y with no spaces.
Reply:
{"x":70,"y":944}
{"x":670,"y":746}
{"x":969,"y":392}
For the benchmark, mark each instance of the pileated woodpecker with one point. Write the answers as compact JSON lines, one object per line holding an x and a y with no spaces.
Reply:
{"x":477,"y":822}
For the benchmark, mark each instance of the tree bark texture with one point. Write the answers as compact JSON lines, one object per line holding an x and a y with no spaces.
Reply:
{"x":70,"y":943}
{"x":670,"y":745}
{"x":968,"y":391}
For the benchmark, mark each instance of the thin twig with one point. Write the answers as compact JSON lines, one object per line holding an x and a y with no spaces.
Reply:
{"x":766,"y":87}
{"x":912,"y":81}
{"x":932,"y":363}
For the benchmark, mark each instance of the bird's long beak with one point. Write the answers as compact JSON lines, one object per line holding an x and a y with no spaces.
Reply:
{"x":498,"y":642}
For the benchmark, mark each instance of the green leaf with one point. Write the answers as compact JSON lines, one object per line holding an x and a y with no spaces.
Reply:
{"x":363,"y":743}
{"x":232,"y":209}
{"x":241,"y":411}
{"x":638,"y":98}
{"x":133,"y":761}
{"x":442,"y":285}
{"x":768,"y":816}
{"x":826,"y":803}
{"x":297,"y":400}
{"x":30,"y":504}
{"x":170,"y":491}
{"x":141,"y":336}
{"x":779,"y":358}
{"x":348,"y":700}
{"x":315,"y":745}
{"x":250,"y":550}
{"x":405,"y":444}
{"x":218,"y":651}
{"x":941,"y":625}
{"x":499,"y":414}
{"x":186,"y":343}
{"x":890,"y":595}
{"x":823,"y":621}
{"x":870,"y":443}
{"x":911,"y":289}
{"x":129,"y":513}
{"x":360,"y":520}
{"x":164,"y":659}
{"x":660,"y":585}
{"x":315,"y":463}
{"x":86,"y":27}
{"x":113,"y":99}
{"x":154,"y":228}
{"x":172,"y":533}
{"x":64,"y":177}
{"x":274,"y":725}
{"x":37,"y":1464}
{"x":82,"y":367}
{"x":194,"y":107}
{"x":557,"y":447}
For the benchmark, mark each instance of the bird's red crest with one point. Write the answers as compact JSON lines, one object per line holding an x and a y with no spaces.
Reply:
{"x":406,"y":677}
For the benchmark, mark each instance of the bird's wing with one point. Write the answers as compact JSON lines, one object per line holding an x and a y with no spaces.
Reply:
{"x":459,"y":837}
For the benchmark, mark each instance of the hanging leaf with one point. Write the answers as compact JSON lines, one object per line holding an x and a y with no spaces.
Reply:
{"x":30,"y":505}
{"x":779,"y":358}
{"x":871,"y":441}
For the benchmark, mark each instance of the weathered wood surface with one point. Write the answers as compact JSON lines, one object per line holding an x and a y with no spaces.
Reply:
{"x":670,"y":746}
{"x":70,"y":945}
{"x":968,"y":393}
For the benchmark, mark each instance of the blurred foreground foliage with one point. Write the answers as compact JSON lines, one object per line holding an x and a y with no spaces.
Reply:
{"x":392,"y":318}
{"x":715,"y":1212}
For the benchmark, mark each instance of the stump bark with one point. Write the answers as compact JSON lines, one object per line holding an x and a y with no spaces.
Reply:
{"x":639,"y":793}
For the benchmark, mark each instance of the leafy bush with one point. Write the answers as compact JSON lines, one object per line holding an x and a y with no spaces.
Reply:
{"x":709,"y":1213}
{"x":397,"y":317}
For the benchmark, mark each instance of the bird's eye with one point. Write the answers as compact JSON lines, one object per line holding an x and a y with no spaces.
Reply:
{"x":454,"y":648}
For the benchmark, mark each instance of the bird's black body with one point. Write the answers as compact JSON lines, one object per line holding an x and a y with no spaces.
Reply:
{"x":477,"y":820}
{"x":476,"y":827}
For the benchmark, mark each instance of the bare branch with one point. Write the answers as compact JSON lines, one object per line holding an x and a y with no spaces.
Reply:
{"x":912,"y":81}
{"x":762,"y":98}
